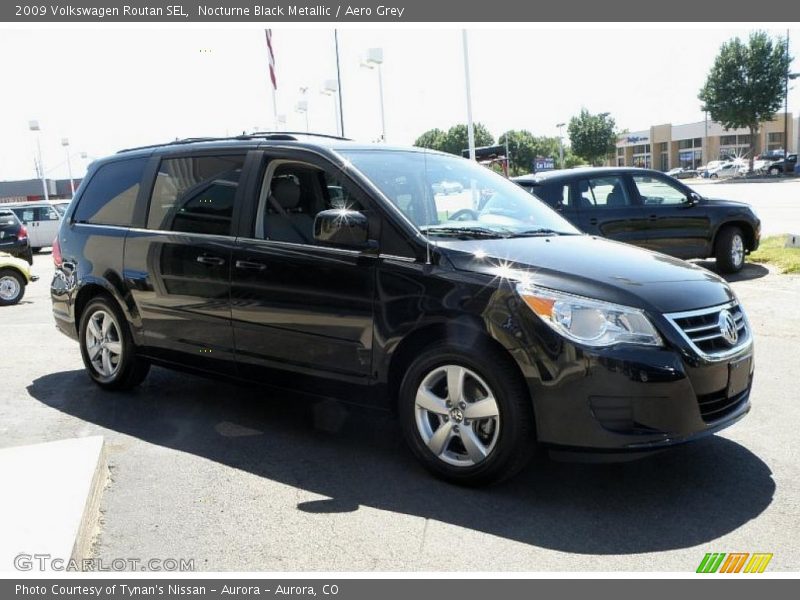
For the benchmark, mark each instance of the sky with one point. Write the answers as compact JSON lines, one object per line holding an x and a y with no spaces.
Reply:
{"x":107,"y":88}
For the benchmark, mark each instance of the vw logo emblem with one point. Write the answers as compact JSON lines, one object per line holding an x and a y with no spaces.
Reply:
{"x":727,"y":327}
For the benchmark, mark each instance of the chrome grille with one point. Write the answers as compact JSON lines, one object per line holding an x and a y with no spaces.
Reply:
{"x":701,"y":329}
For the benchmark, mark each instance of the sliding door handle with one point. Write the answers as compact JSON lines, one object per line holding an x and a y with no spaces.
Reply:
{"x":214,"y":261}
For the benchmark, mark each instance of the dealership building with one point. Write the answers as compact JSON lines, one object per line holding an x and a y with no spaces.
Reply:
{"x":668,"y":146}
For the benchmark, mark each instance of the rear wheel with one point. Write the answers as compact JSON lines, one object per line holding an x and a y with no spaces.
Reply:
{"x":774,"y":171}
{"x":729,"y":250}
{"x":107,"y":348}
{"x":12,"y":287}
{"x":466,"y":415}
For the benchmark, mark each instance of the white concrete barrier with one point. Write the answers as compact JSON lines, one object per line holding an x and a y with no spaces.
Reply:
{"x":50,"y":501}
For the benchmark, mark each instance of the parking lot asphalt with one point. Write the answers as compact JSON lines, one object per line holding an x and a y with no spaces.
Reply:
{"x":242,"y":478}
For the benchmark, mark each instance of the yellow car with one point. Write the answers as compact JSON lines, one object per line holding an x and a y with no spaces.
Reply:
{"x":15,"y":274}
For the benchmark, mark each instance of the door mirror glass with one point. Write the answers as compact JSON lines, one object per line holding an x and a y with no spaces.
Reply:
{"x":341,"y":227}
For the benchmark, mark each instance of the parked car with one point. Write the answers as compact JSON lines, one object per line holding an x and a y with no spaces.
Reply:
{"x":726,"y":170}
{"x":490,"y":332}
{"x":776,"y":167}
{"x":41,"y":220}
{"x":14,"y":236}
{"x":648,"y":209}
{"x":15,"y":274}
{"x":682,"y":173}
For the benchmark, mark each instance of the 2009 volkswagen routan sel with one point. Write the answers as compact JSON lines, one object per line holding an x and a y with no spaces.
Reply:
{"x":486,"y":320}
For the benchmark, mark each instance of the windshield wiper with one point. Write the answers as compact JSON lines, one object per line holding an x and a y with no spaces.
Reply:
{"x":543,"y":231}
{"x":466,"y":232}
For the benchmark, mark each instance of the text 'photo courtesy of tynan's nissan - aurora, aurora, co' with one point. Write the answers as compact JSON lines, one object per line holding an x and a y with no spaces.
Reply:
{"x":487,"y":322}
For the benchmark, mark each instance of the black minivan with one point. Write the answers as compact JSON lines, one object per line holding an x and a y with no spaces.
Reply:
{"x":482,"y":317}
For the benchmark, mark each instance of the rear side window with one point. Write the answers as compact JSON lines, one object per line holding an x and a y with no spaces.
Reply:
{"x":195,"y":194}
{"x":110,"y":196}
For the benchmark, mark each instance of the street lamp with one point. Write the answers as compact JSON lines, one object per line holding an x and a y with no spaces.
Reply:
{"x":34,"y":126}
{"x":374,"y":59}
{"x":302,"y":107}
{"x":560,"y":126}
{"x":65,"y":143}
{"x":331,"y":88}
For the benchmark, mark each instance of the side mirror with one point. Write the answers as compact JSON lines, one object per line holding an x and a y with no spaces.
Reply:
{"x":692,"y":199}
{"x":342,"y":227}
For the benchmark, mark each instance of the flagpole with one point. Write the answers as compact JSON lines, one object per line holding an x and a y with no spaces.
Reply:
{"x":272,"y":79}
{"x":470,"y":128}
{"x":339,"y":82}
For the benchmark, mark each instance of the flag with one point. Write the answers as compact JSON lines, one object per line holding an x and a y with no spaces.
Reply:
{"x":271,"y":59}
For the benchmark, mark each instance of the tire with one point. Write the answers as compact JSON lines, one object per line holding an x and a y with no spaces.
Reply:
{"x":115,"y":365}
{"x":501,"y":445}
{"x":729,"y":250}
{"x":714,"y":176}
{"x":12,"y":287}
{"x":36,"y":249}
{"x":774,"y":171}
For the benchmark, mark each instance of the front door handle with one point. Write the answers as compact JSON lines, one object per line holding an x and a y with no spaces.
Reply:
{"x":653,"y":217}
{"x":215,"y":261}
{"x":593,"y":221}
{"x":250,"y":265}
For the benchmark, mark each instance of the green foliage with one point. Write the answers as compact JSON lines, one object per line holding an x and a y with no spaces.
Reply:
{"x":746,"y":83}
{"x":592,"y":137}
{"x":455,"y":139}
{"x":524,"y":147}
{"x":433,"y":139}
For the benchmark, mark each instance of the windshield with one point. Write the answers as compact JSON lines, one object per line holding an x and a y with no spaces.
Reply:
{"x":454,"y":197}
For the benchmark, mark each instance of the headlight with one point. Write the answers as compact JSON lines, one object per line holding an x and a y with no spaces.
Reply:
{"x":587,"y":321}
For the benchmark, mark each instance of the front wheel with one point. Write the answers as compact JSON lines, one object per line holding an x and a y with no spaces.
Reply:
{"x":107,"y":348}
{"x":730,"y":250}
{"x":774,"y":171}
{"x":12,"y":287}
{"x":466,"y":415}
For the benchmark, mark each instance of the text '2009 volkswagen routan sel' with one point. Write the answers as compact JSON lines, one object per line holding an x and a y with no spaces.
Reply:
{"x":482,"y":317}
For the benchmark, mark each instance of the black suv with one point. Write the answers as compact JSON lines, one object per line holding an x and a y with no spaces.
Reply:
{"x":777,"y":167}
{"x":13,"y":236}
{"x":481,"y":316}
{"x":652,"y":210}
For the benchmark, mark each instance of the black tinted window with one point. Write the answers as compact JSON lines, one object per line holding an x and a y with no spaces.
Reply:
{"x":195,"y":194}
{"x":110,"y":197}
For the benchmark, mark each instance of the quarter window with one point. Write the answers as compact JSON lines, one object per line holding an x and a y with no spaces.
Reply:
{"x":110,"y":196}
{"x":195,"y":194}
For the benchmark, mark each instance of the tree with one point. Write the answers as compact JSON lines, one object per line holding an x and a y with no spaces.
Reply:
{"x":746,"y":84}
{"x":591,"y":136}
{"x":433,"y":139}
{"x":456,"y":138}
{"x":524,"y":147}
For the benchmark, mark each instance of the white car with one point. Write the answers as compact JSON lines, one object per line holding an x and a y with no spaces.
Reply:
{"x":726,"y":170}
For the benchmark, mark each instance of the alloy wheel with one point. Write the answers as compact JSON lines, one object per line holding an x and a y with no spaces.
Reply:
{"x":104,"y":343}
{"x":457,"y":415}
{"x":9,"y":288}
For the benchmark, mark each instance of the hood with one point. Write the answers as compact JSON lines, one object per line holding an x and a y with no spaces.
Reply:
{"x":731,"y":203}
{"x":594,"y":267}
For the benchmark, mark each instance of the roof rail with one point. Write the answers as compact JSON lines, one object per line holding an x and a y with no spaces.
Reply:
{"x":263,"y":135}
{"x":176,"y":142}
{"x":291,"y":135}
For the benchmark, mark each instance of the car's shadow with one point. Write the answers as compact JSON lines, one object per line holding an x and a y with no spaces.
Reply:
{"x":749,"y":271}
{"x":687,"y":496}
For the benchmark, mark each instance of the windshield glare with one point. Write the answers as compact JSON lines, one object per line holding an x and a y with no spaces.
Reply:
{"x":444,"y":194}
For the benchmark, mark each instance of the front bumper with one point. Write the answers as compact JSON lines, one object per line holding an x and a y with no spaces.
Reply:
{"x":628,"y":399}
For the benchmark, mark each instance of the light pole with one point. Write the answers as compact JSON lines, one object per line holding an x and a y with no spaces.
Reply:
{"x":65,"y":143}
{"x":374,"y":59}
{"x":34,"y":126}
{"x":302,"y":107}
{"x":560,"y":126}
{"x":330,"y":88}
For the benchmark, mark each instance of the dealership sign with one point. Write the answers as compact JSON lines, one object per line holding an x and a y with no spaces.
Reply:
{"x":543,"y":164}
